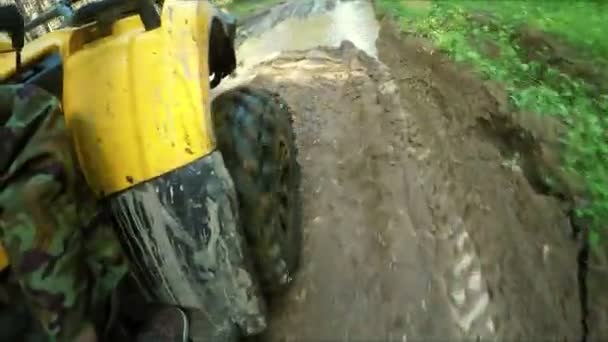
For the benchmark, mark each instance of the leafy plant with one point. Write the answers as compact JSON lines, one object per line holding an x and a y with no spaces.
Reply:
{"x":244,"y":7}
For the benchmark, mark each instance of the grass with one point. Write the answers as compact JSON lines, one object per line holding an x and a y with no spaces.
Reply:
{"x":242,"y":8}
{"x":533,"y":86}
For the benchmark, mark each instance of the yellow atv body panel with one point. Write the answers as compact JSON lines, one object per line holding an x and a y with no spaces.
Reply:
{"x":136,"y":102}
{"x":4,"y":262}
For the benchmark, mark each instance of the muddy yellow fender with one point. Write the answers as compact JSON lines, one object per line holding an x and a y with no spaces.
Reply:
{"x":3,"y":258}
{"x":137,"y":101}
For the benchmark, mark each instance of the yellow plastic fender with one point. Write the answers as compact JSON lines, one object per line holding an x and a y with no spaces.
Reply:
{"x":137,"y":102}
{"x":3,"y":258}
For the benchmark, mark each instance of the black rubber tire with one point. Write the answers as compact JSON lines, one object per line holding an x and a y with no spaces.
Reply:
{"x":254,"y":131}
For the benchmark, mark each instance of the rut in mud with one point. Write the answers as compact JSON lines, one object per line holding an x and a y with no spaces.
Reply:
{"x":419,"y":223}
{"x":523,"y":237}
{"x":366,"y":273}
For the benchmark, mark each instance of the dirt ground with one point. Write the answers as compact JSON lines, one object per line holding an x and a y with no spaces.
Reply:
{"x":422,"y":219}
{"x":367,"y":273}
{"x":521,"y":237}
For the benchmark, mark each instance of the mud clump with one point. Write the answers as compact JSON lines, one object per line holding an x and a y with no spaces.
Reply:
{"x":485,"y":159}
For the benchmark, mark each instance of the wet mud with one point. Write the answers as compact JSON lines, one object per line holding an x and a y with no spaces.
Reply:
{"x":422,"y":217}
{"x":468,"y":142}
{"x":368,"y":270}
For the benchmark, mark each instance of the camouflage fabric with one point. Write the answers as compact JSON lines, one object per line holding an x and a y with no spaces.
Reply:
{"x":62,"y":249}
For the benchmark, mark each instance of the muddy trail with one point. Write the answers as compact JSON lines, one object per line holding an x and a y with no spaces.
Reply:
{"x":418,"y":224}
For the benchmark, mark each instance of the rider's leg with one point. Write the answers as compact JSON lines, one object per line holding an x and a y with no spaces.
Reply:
{"x":45,"y":213}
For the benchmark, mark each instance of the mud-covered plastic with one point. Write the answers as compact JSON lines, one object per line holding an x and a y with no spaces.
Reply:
{"x":182,"y":233}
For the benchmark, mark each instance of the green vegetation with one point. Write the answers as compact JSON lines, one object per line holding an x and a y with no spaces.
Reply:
{"x":534,"y":84}
{"x":243,"y":7}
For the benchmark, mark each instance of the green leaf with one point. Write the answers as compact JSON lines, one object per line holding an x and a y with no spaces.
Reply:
{"x":594,"y":239}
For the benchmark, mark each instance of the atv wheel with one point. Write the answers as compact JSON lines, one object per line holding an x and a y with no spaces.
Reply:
{"x":255,"y":135}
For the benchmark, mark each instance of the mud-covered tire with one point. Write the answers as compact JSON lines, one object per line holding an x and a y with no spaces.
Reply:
{"x":255,"y":136}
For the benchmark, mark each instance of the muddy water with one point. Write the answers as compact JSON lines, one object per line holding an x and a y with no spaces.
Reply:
{"x":304,"y":25}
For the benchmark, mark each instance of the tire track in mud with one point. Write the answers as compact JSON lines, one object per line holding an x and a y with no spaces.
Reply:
{"x":470,"y":231}
{"x":464,"y":282}
{"x":461,"y":276}
{"x":371,"y":100}
{"x":521,"y":282}
{"x":377,"y":139}
{"x":368,"y":272}
{"x":468,"y":291}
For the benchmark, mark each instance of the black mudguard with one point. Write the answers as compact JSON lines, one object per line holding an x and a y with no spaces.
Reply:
{"x":186,"y":246}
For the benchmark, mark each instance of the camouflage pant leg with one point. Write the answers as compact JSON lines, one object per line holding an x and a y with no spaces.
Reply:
{"x":104,"y":260}
{"x":50,"y":224}
{"x":16,"y":321}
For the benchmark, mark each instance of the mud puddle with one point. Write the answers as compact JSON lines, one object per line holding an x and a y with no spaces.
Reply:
{"x":301,"y":25}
